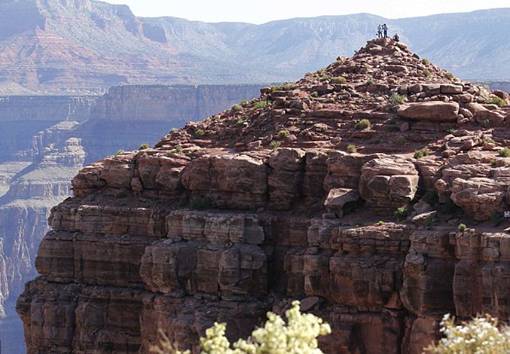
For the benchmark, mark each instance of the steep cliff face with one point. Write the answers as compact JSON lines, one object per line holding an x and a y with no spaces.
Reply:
{"x":53,"y":137}
{"x":22,"y":117}
{"x":269,"y":202}
{"x":24,"y":210}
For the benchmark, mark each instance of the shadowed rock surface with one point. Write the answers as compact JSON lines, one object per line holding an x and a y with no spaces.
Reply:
{"x":320,"y":190}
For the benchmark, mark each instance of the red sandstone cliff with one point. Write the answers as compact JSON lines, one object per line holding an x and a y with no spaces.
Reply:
{"x":268,"y":202}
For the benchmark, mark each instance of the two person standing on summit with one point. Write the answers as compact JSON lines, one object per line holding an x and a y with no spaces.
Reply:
{"x":382,"y":32}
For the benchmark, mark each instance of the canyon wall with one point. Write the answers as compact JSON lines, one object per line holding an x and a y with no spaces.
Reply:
{"x":373,"y":190}
{"x":46,"y":140}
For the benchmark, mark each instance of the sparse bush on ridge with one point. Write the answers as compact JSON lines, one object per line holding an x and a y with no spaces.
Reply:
{"x":143,"y":147}
{"x":339,"y":80}
{"x":275,"y":144}
{"x":297,"y":335}
{"x":283,"y":134}
{"x":282,"y":87}
{"x":352,"y":149}
{"x":397,"y":99}
{"x":498,"y":101}
{"x":261,"y":104}
{"x":401,"y":213}
{"x":237,"y":108}
{"x":450,"y":76}
{"x":199,"y":132}
{"x":505,"y":152}
{"x":421,"y":153}
{"x":363,"y":124}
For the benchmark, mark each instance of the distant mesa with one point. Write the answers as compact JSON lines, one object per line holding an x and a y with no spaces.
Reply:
{"x":83,"y":47}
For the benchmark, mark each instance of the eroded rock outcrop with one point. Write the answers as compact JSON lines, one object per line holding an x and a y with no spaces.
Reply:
{"x":321,"y":190}
{"x":44,"y":142}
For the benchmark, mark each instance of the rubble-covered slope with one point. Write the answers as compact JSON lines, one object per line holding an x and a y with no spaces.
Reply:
{"x":373,"y":190}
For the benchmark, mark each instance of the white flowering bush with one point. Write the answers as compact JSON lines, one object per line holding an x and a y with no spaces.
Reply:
{"x":296,"y":336}
{"x":478,"y":336}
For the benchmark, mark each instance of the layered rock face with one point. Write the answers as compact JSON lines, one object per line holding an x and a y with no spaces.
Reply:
{"x":344,"y":190}
{"x":46,"y":140}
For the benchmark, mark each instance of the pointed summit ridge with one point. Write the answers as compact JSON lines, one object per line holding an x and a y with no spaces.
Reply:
{"x":377,"y":99}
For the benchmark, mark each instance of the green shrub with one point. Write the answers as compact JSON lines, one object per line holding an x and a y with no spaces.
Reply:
{"x":425,"y":61}
{"x":363,"y":124}
{"x":397,"y":99}
{"x":505,"y":152}
{"x":380,"y":223}
{"x":427,"y":73}
{"x":462,"y":227}
{"x":261,"y":104}
{"x":282,"y":87}
{"x":296,"y":335}
{"x":240,"y":121}
{"x":199,"y":132}
{"x":119,"y":152}
{"x":237,"y":108}
{"x":401,"y":213}
{"x":418,"y":154}
{"x":481,"y":335}
{"x":143,"y":147}
{"x":275,"y":144}
{"x":450,"y":76}
{"x":283,"y":134}
{"x":176,"y":150}
{"x":339,"y":80}
{"x":352,"y":149}
{"x":498,"y":101}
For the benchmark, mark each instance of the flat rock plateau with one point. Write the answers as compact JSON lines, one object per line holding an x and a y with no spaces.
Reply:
{"x":374,"y":190}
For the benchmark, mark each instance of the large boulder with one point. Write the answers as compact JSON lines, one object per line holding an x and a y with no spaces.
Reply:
{"x":227,"y":181}
{"x":339,"y":199}
{"x":388,"y":182}
{"x":436,"y":111}
{"x":480,"y":198}
{"x":483,"y":115}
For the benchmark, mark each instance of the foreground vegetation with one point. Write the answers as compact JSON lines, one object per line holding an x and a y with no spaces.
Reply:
{"x":478,"y":336}
{"x":296,"y":336}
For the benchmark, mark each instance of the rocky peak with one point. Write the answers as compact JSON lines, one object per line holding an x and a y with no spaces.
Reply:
{"x":374,"y":190}
{"x":368,"y":100}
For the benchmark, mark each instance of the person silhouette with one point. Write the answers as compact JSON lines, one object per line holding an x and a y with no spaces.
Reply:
{"x":396,"y":37}
{"x":379,"y":31}
{"x":385,"y":30}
